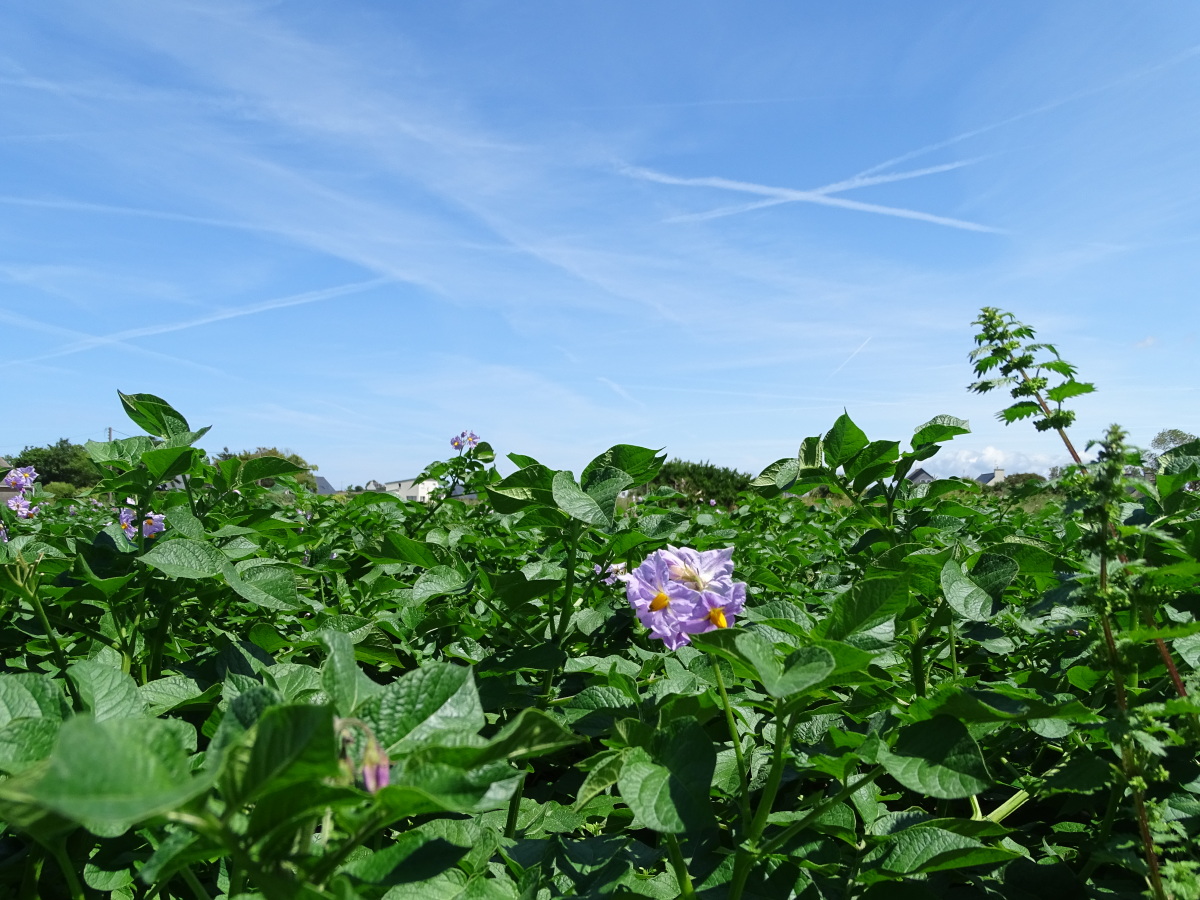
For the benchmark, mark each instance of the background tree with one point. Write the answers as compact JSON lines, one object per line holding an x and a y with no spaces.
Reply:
{"x":63,"y":461}
{"x":702,"y":481}
{"x":1165,"y":440}
{"x":305,"y":477}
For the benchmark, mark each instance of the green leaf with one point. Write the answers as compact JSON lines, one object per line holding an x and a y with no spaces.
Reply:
{"x":532,"y":733}
{"x":994,"y":572}
{"x":185,"y":558}
{"x":25,"y":742}
{"x":106,"y":691}
{"x":345,"y":683}
{"x":874,"y":462}
{"x":399,"y":548}
{"x":180,"y":519}
{"x":438,"y":581}
{"x":166,"y":462}
{"x":964,"y":596}
{"x":123,"y":454}
{"x":153,"y":414}
{"x":165,"y":694}
{"x":261,"y":467}
{"x":669,"y":788}
{"x":777,"y":477}
{"x":604,"y":485}
{"x":939,"y":429}
{"x":1069,"y":389}
{"x":603,"y":771}
{"x":639,"y":463}
{"x":938,"y":758}
{"x":293,"y":744}
{"x":927,"y":848}
{"x":872,"y":602}
{"x":843,"y":441}
{"x":802,"y":670}
{"x":572,"y":500}
{"x":435,"y":699}
{"x":27,"y":695}
{"x":266,"y":582}
{"x":1022,"y":410}
{"x":530,"y":486}
{"x":117,"y":772}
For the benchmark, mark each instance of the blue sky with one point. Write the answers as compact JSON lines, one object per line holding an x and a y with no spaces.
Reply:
{"x":354,"y":229}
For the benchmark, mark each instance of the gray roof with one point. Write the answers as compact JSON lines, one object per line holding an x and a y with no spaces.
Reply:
{"x":323,"y":486}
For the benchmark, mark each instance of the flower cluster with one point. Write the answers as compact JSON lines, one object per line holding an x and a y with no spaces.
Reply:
{"x":151,"y":525}
{"x":678,"y":592}
{"x":373,"y":769}
{"x":468,"y":439}
{"x":22,"y":479}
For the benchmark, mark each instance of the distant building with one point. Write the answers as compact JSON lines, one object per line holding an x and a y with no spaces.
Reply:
{"x":994,"y":477}
{"x":411,"y":488}
{"x":324,"y":488}
{"x":374,"y":485}
{"x":920,"y":476}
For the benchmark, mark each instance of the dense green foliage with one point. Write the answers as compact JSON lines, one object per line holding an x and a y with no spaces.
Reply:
{"x":701,"y":482}
{"x":931,"y":691}
{"x":304,"y":475}
{"x":61,"y":461}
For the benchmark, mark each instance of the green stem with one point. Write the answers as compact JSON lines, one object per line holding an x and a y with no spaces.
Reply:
{"x":564,"y":616}
{"x":819,"y":810}
{"x":1007,"y":808}
{"x":329,"y":863}
{"x":749,"y":852}
{"x":514,"y":810}
{"x":917,"y":660}
{"x":743,"y":772}
{"x":60,"y":658}
{"x":194,"y":883}
{"x":64,"y":862}
{"x":681,"y":872}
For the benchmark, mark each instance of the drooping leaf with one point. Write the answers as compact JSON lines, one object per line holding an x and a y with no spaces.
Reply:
{"x":153,"y":414}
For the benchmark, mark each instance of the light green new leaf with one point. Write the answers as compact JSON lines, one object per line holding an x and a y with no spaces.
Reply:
{"x":964,"y":596}
{"x":639,"y":463}
{"x":938,"y":429}
{"x":153,"y":414}
{"x":437,"y":581}
{"x":106,"y":691}
{"x":571,"y":499}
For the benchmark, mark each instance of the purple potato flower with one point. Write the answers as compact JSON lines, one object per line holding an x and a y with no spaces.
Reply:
{"x":21,"y":507}
{"x":376,"y":767}
{"x":3,"y":535}
{"x":21,"y":478}
{"x":712,"y":502}
{"x":661,"y":604}
{"x":678,"y":592}
{"x":153,"y":524}
{"x":471,"y":438}
{"x":614,"y":573}
{"x":458,"y":440}
{"x":718,"y":609}
{"x":700,"y":568}
{"x":125,"y":520}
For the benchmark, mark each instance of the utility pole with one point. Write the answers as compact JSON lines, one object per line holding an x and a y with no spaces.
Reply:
{"x":110,"y":434}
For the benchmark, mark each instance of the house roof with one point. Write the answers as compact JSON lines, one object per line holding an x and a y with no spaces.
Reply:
{"x":323,"y":486}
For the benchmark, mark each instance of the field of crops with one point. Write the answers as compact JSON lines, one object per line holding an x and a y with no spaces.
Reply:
{"x":240,"y":689}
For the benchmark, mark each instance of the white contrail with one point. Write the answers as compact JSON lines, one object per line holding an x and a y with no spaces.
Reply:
{"x":850,"y":357}
{"x":278,"y":303}
{"x":807,"y":197}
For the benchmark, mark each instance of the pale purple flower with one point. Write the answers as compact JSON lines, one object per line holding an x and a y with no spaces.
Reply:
{"x":712,"y":502}
{"x":458,"y":440}
{"x":718,"y":609}
{"x":471,"y":438}
{"x":700,"y":569}
{"x":3,"y":535}
{"x":614,"y":573}
{"x":21,"y":507}
{"x":153,"y":524}
{"x":125,"y":519}
{"x":376,"y":767}
{"x":21,"y":478}
{"x":72,"y":511}
{"x":663,"y":605}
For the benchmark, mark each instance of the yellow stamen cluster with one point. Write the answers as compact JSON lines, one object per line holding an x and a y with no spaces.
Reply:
{"x":717,"y":617}
{"x":660,"y":601}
